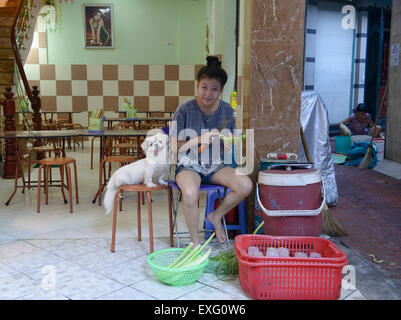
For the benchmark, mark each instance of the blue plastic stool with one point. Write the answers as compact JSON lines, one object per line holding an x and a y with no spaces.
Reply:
{"x":211,"y":198}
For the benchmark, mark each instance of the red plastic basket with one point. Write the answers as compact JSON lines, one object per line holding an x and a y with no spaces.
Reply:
{"x":285,"y":278}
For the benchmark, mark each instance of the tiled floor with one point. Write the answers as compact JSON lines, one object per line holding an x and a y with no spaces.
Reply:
{"x":389,"y":168}
{"x":57,"y":255}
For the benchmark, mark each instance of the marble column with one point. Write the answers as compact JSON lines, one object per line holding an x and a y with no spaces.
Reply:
{"x":393,"y":127}
{"x":273,"y":63}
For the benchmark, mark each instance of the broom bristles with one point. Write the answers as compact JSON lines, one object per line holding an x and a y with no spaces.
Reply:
{"x":331,"y":227}
{"x":364,"y":164}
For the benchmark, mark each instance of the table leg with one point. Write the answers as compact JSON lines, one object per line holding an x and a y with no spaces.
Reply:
{"x":18,"y":168}
{"x":101,"y":157}
{"x":63,"y":148}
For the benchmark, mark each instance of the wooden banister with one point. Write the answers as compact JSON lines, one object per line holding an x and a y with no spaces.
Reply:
{"x":16,"y":52}
{"x":33,"y":95}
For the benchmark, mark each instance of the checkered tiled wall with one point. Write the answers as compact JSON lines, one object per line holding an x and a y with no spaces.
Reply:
{"x":89,"y":87}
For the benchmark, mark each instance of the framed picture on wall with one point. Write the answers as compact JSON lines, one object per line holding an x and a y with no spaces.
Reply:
{"x":98,"y":26}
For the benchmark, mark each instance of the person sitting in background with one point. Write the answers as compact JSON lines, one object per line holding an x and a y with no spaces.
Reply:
{"x":359,"y":123}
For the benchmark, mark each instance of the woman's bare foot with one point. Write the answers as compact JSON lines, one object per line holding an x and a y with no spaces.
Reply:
{"x":216,"y":222}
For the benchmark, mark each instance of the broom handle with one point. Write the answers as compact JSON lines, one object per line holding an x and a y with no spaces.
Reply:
{"x":378,"y":114}
{"x":304,"y":144}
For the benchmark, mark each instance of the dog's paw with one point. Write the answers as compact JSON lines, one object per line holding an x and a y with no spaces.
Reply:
{"x":151,"y":185}
{"x":163,"y":183}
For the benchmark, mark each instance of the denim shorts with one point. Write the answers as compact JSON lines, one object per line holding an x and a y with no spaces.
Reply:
{"x":205,"y":179}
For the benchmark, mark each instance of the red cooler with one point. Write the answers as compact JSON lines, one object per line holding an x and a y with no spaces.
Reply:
{"x":291,"y":200}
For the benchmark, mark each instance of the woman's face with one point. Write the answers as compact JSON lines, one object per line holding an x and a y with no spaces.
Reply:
{"x":360,"y":116}
{"x":209,"y":91}
{"x":98,"y":16}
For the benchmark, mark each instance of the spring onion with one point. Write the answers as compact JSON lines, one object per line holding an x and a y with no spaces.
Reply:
{"x":259,"y":226}
{"x":181,"y":255}
{"x":232,"y":139}
{"x":187,"y":258}
{"x":199,"y":259}
{"x":193,"y":256}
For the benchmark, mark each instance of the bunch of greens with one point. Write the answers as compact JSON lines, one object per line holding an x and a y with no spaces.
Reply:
{"x":225,"y":265}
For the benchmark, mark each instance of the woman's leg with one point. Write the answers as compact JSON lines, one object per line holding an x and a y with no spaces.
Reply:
{"x":240,"y":185}
{"x":189,"y":183}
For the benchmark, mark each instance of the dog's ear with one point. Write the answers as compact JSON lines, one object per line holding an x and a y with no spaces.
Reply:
{"x":144,"y":145}
{"x":163,"y":137}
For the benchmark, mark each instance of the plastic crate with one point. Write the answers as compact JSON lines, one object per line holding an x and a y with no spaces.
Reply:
{"x":285,"y":278}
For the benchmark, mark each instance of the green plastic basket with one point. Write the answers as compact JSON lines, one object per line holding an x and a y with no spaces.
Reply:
{"x":160,"y":260}
{"x":339,"y":158}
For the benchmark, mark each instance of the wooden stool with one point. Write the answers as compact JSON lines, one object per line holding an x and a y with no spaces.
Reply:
{"x":39,"y":149}
{"x":141,"y":188}
{"x":122,"y":160}
{"x":62,"y":163}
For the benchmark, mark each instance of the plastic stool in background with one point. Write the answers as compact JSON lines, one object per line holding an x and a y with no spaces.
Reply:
{"x":211,"y":198}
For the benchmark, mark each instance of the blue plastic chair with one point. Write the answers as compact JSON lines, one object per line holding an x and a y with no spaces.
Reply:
{"x":212,"y":196}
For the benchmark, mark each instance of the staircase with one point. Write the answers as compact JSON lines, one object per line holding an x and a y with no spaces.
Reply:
{"x":7,"y":14}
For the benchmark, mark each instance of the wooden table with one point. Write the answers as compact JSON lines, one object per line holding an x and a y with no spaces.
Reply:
{"x":136,"y":122}
{"x":55,"y":112}
{"x":149,"y":113}
{"x":60,"y":134}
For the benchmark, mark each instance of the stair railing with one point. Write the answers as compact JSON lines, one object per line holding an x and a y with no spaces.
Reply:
{"x":24,"y":94}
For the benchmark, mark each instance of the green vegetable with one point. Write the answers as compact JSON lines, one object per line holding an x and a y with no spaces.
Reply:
{"x":194,"y":254}
{"x":199,"y":259}
{"x":259,"y":226}
{"x":232,"y":139}
{"x":204,"y":245}
{"x":187,"y":258}
{"x":181,"y":255}
{"x":227,"y":265}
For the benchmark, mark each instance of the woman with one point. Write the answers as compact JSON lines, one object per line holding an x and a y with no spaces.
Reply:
{"x":359,"y":122}
{"x":100,"y":36}
{"x":200,"y":150}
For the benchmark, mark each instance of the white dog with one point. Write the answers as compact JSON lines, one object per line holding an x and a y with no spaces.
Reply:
{"x":143,"y":171}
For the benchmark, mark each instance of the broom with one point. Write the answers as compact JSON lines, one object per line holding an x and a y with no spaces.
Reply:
{"x":364,"y":164}
{"x":330,"y":226}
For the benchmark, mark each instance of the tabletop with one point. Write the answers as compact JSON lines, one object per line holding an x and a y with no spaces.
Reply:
{"x":41,"y":111}
{"x":147,"y":112}
{"x":140,"y":119}
{"x":72,"y":133}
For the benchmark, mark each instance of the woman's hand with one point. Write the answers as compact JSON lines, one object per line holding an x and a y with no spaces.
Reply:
{"x":208,"y":138}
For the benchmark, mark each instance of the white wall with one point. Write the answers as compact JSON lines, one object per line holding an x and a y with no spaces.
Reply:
{"x":221,"y":16}
{"x":333,"y":60}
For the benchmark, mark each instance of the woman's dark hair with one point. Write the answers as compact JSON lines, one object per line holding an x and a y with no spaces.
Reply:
{"x":360,"y":108}
{"x":213,"y":70}
{"x":98,"y":11}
